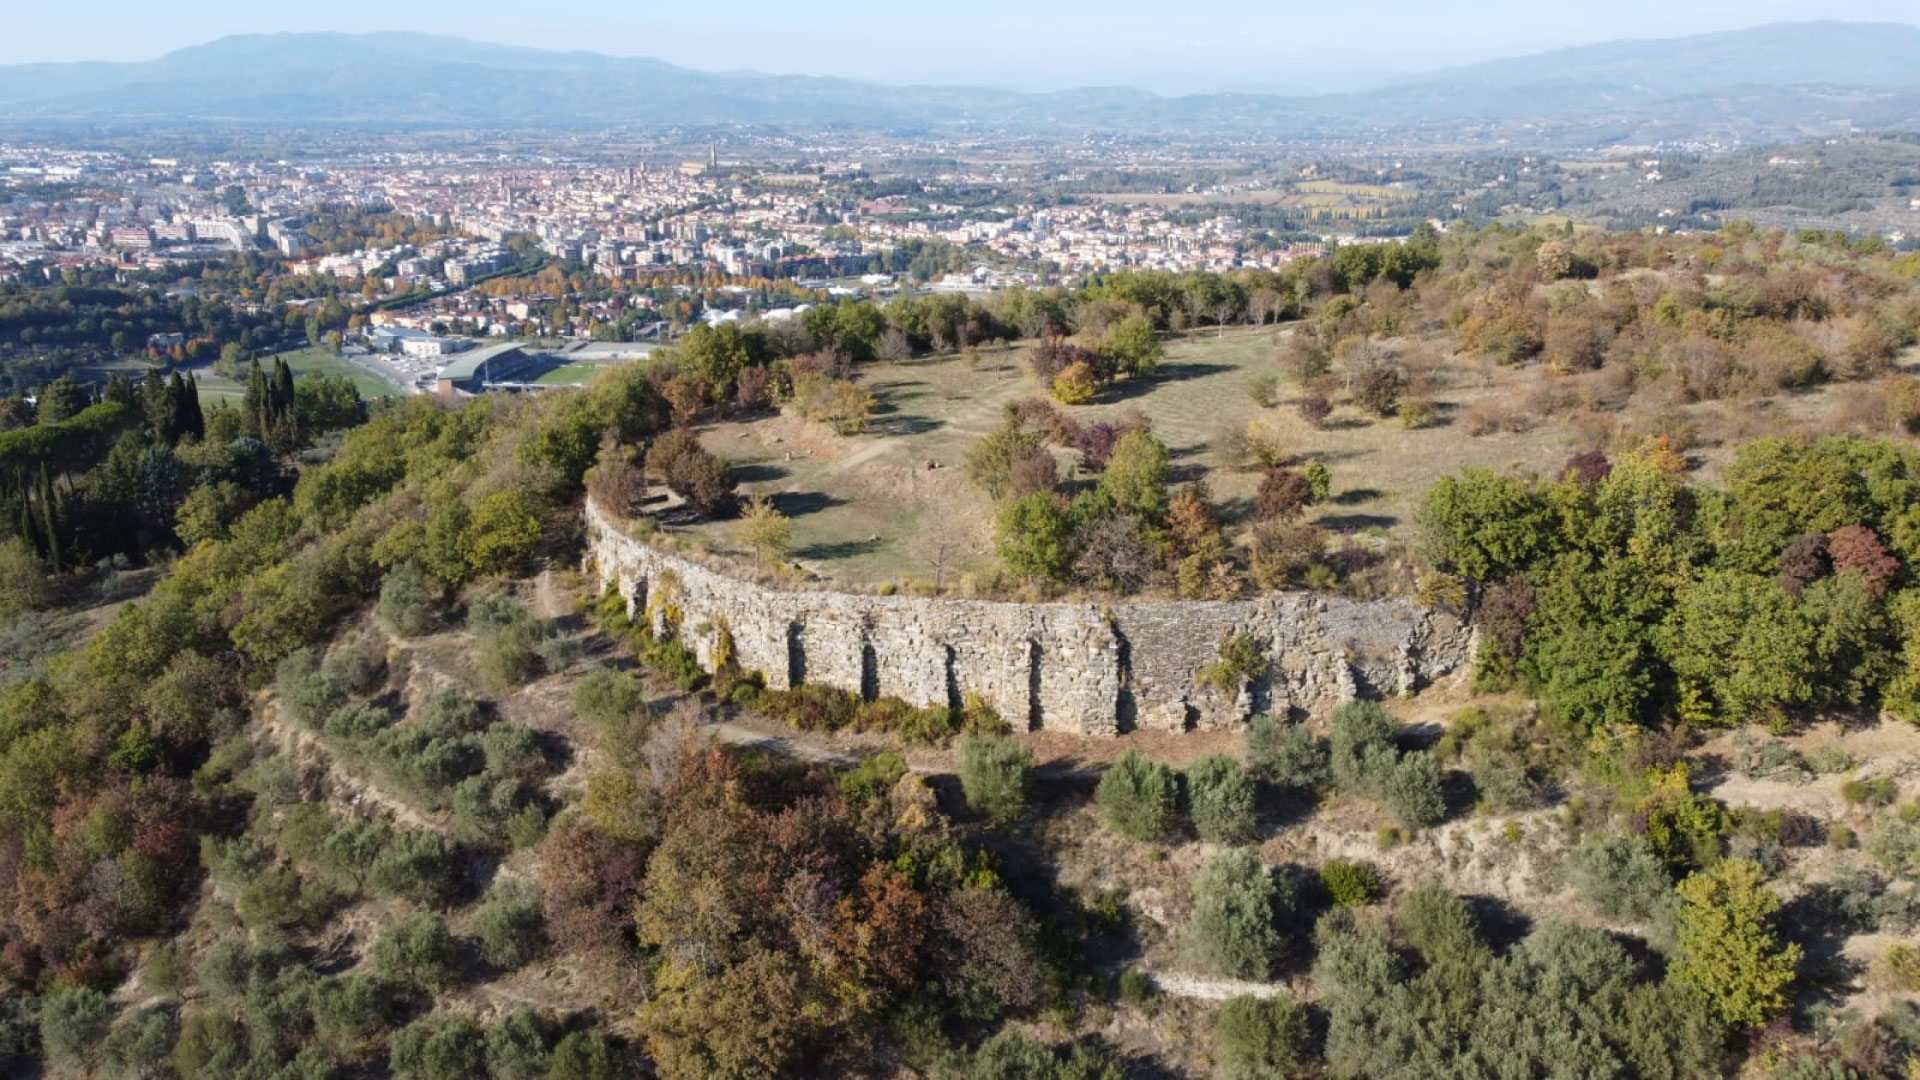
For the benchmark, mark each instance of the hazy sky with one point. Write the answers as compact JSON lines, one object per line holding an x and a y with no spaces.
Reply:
{"x":1032,"y":44}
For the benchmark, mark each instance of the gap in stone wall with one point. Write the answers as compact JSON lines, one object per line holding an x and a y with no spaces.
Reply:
{"x":1035,"y":714}
{"x":869,"y":670}
{"x":955,"y":700}
{"x":796,"y":654}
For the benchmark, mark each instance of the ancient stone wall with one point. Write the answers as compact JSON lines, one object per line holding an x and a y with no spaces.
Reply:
{"x":1088,"y":668}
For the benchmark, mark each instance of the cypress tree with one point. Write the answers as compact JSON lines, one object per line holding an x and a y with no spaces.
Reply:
{"x":192,"y":421}
{"x":282,"y":389}
{"x":157,"y":402}
{"x":50,"y":518}
{"x":258,"y":403}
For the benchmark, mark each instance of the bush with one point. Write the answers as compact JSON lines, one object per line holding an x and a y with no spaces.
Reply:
{"x":1620,"y":875}
{"x":1220,"y":797}
{"x":994,"y":776}
{"x":1139,"y":797}
{"x":416,"y":864}
{"x":1874,"y":793}
{"x":1314,"y":409}
{"x":1256,"y":1039}
{"x":405,"y":606}
{"x":1135,"y":989}
{"x":139,"y":1044}
{"x":518,"y":1047}
{"x":1411,"y":792}
{"x":873,"y":778}
{"x":1350,"y":884}
{"x":1285,"y":754}
{"x":1264,"y":389}
{"x":510,"y":924}
{"x":1898,"y":969}
{"x":1357,"y":732}
{"x":583,"y":1055}
{"x":439,"y":1048}
{"x":508,"y":657}
{"x":418,"y":951}
{"x":1237,"y":904}
{"x":72,"y":1023}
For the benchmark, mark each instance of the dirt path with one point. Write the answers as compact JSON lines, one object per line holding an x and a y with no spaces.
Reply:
{"x":1200,"y":988}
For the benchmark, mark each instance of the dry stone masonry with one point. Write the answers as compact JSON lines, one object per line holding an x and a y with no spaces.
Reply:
{"x":1091,"y":669}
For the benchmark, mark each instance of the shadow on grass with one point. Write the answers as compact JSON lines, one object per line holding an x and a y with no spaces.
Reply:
{"x":1357,"y":522}
{"x":1129,"y":389}
{"x":801,"y":503}
{"x":1356,"y":496}
{"x":758,"y":472}
{"x":839,"y":549}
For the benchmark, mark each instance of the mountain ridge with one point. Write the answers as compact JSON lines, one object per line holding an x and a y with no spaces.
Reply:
{"x":1778,"y":80}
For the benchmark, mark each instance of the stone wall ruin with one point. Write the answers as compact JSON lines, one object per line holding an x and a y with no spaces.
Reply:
{"x":1090,"y":669}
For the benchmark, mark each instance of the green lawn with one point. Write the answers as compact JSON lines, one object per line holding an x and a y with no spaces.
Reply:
{"x":304,"y":362}
{"x":570,"y":374}
{"x":322,"y":362}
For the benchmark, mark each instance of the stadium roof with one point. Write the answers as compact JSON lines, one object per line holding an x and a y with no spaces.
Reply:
{"x":466,"y":365}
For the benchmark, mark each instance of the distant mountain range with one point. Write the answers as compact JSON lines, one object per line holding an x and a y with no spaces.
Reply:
{"x":1788,"y":80}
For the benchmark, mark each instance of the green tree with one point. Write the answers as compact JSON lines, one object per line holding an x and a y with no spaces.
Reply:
{"x":1485,"y":525}
{"x":1220,"y":796}
{"x":417,"y":951}
{"x":1237,"y":904}
{"x":1285,"y":754}
{"x":1033,"y":536}
{"x":1131,"y":347}
{"x":994,"y":775}
{"x":510,"y":924}
{"x":1729,"y":949}
{"x":1136,"y":476}
{"x":1260,"y":1038}
{"x":1139,"y":797}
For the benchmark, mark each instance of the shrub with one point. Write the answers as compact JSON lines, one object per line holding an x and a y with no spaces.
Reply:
{"x":1378,"y":389}
{"x":1358,"y":732}
{"x":1237,"y":903}
{"x":1135,"y":989}
{"x":1898,"y":969}
{"x":1871,"y":793}
{"x":1220,"y":798}
{"x":873,"y":778}
{"x":1256,"y":1038}
{"x":1620,"y":875}
{"x":609,"y":700}
{"x":508,"y":657}
{"x":1238,"y":661}
{"x":405,"y":606}
{"x":72,"y":1023}
{"x":1283,"y":494}
{"x":583,"y":1055}
{"x":1411,"y":791}
{"x":415,"y":864}
{"x":517,"y":1047}
{"x":1350,"y":884}
{"x":417,"y":951}
{"x":139,"y":1044}
{"x":1314,"y":409}
{"x":1139,"y":797}
{"x":994,"y":776}
{"x":1075,"y":385}
{"x":1264,"y":389}
{"x":1287,"y":755}
{"x":510,"y":924}
{"x":439,"y":1048}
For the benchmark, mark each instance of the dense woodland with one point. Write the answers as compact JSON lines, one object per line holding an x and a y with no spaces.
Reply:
{"x":176,"y":895}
